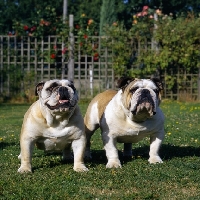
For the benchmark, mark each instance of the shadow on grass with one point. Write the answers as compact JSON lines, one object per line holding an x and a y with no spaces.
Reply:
{"x":4,"y":145}
{"x":167,"y":152}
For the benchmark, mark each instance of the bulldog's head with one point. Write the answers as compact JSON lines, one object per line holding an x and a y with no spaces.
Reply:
{"x":140,"y":97}
{"x":57,"y":95}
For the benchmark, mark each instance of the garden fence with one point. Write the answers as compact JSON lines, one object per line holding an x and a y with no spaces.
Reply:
{"x":25,"y":61}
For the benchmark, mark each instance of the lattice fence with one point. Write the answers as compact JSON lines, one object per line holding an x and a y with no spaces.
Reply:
{"x":25,"y":61}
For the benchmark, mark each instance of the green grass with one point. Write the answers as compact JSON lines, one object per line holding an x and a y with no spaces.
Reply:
{"x":177,"y":178}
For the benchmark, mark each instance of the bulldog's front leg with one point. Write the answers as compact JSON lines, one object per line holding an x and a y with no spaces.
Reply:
{"x":78,"y":147}
{"x":111,"y":152}
{"x":27,"y":146}
{"x":155,"y":143}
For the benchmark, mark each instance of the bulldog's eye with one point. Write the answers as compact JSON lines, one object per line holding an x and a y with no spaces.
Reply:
{"x":132,"y":90}
{"x":50,"y":89}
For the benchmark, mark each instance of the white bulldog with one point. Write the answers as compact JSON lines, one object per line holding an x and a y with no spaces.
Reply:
{"x":127,"y":116}
{"x":53,"y":123}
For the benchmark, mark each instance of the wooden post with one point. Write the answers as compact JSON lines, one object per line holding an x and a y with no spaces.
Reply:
{"x":71,"y":49}
{"x":154,"y":44}
{"x":64,"y":9}
{"x":63,"y":43}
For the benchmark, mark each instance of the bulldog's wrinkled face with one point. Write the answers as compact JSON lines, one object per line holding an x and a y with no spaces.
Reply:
{"x":141,"y":97}
{"x":57,"y":95}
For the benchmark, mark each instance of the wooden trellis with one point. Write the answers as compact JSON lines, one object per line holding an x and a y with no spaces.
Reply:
{"x":24,"y":61}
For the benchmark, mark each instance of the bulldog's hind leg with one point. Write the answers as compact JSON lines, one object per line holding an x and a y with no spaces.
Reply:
{"x":78,"y":147}
{"x":27,"y":146}
{"x":127,"y":150}
{"x":67,"y":155}
{"x":89,"y":132}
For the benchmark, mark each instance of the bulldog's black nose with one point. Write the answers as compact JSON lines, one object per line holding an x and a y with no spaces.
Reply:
{"x":145,"y":92}
{"x":64,"y":94}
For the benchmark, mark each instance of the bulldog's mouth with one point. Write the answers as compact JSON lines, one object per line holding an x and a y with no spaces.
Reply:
{"x":64,"y":100}
{"x":62,"y":104}
{"x":144,"y":105}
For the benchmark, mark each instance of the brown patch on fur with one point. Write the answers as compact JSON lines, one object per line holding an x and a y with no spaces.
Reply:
{"x":127,"y":94}
{"x":102,"y":101}
{"x":36,"y":113}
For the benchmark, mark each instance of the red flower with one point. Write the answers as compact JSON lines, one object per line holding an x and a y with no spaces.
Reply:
{"x":42,"y":22}
{"x":85,"y":36}
{"x":26,"y":28}
{"x":81,"y":44}
{"x":96,"y":56}
{"x":9,"y":33}
{"x":77,"y":26}
{"x":53,"y":56}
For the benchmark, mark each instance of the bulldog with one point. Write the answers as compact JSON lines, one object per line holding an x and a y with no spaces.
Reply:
{"x":127,"y":116}
{"x":53,"y":123}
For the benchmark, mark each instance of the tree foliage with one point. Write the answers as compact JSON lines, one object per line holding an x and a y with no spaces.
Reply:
{"x":108,"y":15}
{"x":25,"y":11}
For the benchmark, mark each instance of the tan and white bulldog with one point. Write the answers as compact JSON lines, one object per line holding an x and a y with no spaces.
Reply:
{"x":53,"y":123}
{"x":127,"y":116}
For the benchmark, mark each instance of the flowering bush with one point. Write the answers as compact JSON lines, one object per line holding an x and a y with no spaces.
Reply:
{"x":84,"y":30}
{"x":176,"y":44}
{"x":46,"y":23}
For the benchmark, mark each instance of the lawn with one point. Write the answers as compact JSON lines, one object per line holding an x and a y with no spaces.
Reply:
{"x":177,"y":178}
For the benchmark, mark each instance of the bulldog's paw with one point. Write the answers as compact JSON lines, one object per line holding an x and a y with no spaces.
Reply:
{"x":113,"y":164}
{"x":24,"y":169}
{"x":155,"y":159}
{"x":80,"y":168}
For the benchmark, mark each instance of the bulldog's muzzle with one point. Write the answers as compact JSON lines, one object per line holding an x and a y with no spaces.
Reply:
{"x":64,"y":99}
{"x":145,"y":103}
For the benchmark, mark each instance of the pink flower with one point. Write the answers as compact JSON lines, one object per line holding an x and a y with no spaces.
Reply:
{"x":139,"y":14}
{"x":90,"y":21}
{"x":64,"y":50}
{"x":145,"y":8}
{"x":33,"y":28}
{"x":144,"y":13}
{"x":159,"y":12}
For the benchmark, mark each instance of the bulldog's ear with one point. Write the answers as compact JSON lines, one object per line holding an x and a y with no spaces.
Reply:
{"x":72,"y":85}
{"x":39,"y":87}
{"x":123,"y":82}
{"x":158,"y":83}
